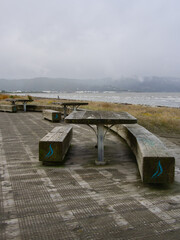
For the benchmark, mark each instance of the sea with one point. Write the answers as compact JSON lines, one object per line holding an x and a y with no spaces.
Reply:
{"x":142,"y":98}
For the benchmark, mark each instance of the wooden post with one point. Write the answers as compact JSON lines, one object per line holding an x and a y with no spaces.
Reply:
{"x":24,"y":106}
{"x":65,"y":111}
{"x":100,"y":139}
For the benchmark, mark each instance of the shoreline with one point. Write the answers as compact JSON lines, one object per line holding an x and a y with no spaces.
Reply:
{"x":157,"y":119}
{"x":153,"y":99}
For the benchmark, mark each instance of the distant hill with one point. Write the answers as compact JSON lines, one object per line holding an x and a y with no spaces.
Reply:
{"x":149,"y":84}
{"x":146,"y":84}
{"x":40,"y":84}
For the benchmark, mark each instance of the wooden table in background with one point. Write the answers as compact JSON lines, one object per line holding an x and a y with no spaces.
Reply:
{"x":24,"y":101}
{"x":74,"y":104}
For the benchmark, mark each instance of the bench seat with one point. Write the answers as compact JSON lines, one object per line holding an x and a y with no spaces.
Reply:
{"x":52,"y":115}
{"x":8,"y":108}
{"x":40,"y":108}
{"x":54,"y":146}
{"x":155,"y":163}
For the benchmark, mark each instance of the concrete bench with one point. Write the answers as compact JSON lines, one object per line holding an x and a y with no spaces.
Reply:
{"x":40,"y":108}
{"x":52,"y":115}
{"x":155,"y":163}
{"x":8,"y":108}
{"x":54,"y":146}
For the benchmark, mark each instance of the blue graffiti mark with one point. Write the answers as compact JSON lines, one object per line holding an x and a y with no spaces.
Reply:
{"x":159,"y":171}
{"x":50,"y":153}
{"x":56,"y":117}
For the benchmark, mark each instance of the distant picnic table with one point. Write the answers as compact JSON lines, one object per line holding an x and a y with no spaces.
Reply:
{"x":24,"y":101}
{"x":74,"y":104}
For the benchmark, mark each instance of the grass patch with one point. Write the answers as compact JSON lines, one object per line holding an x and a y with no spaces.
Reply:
{"x":155,"y":119}
{"x":3,"y":96}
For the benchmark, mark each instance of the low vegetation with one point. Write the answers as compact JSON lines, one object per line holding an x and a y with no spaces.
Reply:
{"x":30,"y":98}
{"x":155,"y":119}
{"x":4,"y":96}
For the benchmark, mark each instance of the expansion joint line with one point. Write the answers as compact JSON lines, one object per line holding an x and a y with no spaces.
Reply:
{"x":12,"y":221}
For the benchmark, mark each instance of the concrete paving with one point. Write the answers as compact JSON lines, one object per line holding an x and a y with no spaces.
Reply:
{"x":79,"y":200}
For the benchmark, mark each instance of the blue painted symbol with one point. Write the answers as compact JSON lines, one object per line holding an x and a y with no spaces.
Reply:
{"x":159,"y":171}
{"x":56,"y":117}
{"x":50,"y":153}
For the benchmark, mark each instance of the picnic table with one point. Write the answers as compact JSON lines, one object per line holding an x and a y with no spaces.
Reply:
{"x":24,"y":101}
{"x":100,"y":119}
{"x":74,"y":104}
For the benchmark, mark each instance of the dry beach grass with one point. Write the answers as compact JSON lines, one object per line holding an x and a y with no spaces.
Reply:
{"x":156,"y":119}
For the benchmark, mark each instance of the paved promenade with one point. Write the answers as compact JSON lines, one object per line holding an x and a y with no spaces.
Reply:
{"x":79,"y":200}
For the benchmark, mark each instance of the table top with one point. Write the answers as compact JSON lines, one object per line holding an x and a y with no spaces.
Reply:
{"x":100,"y":117}
{"x":71,"y":103}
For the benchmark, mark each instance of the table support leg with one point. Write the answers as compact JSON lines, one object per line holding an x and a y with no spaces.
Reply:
{"x":24,"y":107}
{"x":100,"y":138}
{"x":65,"y":111}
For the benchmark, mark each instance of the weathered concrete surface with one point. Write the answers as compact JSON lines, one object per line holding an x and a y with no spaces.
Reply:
{"x":79,"y":200}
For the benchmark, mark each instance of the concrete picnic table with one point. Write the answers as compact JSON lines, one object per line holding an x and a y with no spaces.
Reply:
{"x":24,"y":101}
{"x":100,"y":118}
{"x":74,"y":104}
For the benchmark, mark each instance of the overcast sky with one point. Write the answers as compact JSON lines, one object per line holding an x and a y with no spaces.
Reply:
{"x":89,"y":38}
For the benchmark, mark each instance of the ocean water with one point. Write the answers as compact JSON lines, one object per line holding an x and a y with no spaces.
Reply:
{"x":142,"y":98}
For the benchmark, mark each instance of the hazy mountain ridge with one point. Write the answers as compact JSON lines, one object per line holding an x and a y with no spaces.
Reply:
{"x":146,"y":84}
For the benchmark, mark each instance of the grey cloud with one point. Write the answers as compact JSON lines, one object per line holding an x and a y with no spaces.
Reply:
{"x":89,"y":38}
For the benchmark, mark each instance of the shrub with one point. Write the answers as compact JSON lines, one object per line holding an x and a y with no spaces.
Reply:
{"x":30,"y":97}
